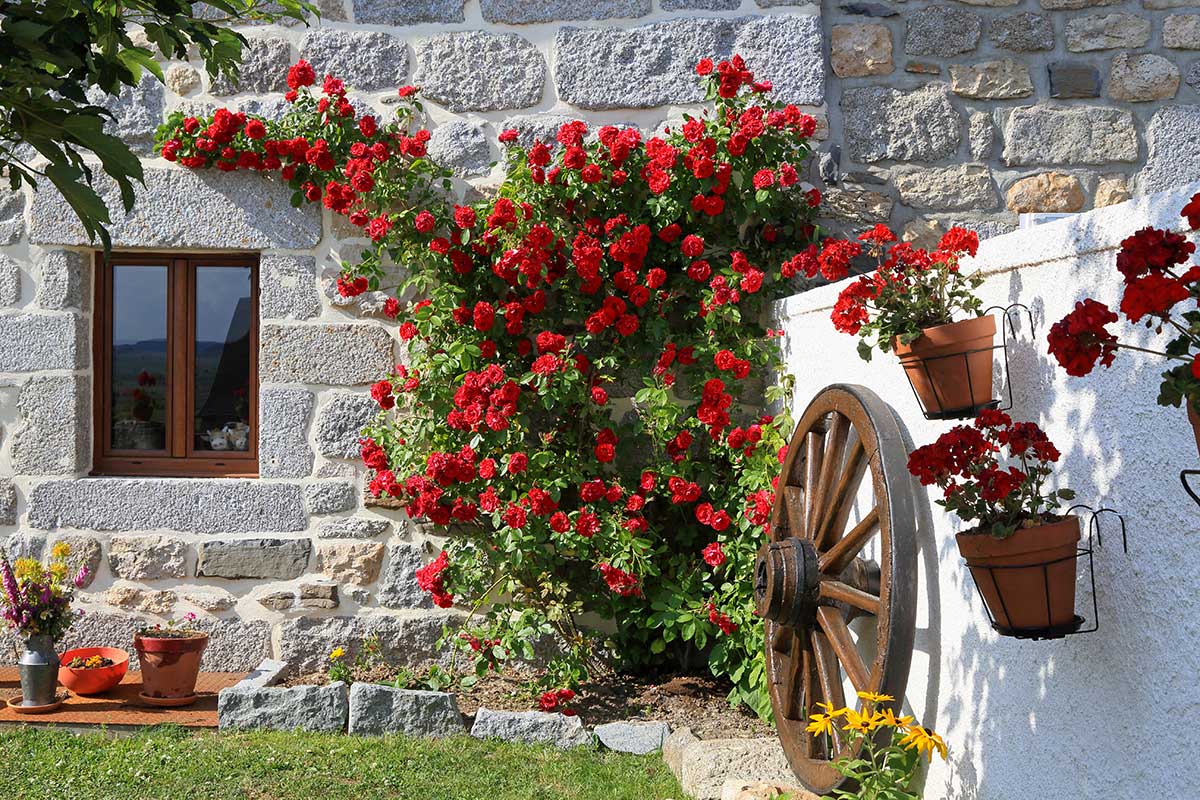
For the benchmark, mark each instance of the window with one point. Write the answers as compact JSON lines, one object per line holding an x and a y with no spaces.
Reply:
{"x":176,"y":347}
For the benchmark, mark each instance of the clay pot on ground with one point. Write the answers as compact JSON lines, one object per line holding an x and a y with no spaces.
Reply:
{"x":85,"y":681}
{"x":950,"y":366}
{"x":170,"y":666}
{"x":1028,"y":579}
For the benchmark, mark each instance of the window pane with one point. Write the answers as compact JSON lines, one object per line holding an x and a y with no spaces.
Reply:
{"x":223,"y":318}
{"x":139,"y":357}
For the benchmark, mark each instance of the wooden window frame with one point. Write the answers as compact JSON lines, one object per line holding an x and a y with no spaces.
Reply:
{"x":180,"y":458}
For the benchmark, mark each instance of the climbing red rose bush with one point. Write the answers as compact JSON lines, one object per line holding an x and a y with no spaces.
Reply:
{"x":582,"y":411}
{"x":1161,"y":292}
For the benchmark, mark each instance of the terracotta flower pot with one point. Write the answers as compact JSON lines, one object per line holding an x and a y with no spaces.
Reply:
{"x":93,"y":681}
{"x":947,"y":377}
{"x":1194,"y":418}
{"x":1028,"y":579}
{"x":170,"y":666}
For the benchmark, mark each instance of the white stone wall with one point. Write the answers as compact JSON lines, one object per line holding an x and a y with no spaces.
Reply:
{"x":1054,"y":719}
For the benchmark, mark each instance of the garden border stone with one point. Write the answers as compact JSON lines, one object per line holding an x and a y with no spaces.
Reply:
{"x":308,"y":708}
{"x":376,"y":710}
{"x":531,"y":727}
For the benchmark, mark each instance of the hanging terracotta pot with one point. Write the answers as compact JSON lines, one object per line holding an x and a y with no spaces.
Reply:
{"x":170,"y":667}
{"x":1028,"y":579}
{"x":1194,"y":418}
{"x":950,"y":366}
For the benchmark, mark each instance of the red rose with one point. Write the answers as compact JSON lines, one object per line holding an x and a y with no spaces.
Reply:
{"x":714,"y":556}
{"x":301,"y":74}
{"x":1191,"y":212}
{"x":704,"y":66}
{"x":508,"y":135}
{"x":517,"y":462}
{"x":407,"y":91}
{"x":692,"y":246}
{"x":599,"y":396}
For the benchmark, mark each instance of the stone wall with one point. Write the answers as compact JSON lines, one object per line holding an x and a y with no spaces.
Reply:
{"x":929,"y":114}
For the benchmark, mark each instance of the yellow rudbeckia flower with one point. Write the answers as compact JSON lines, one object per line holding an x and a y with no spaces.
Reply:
{"x":860,"y":722}
{"x":924,"y":740}
{"x":890,"y":719}
{"x":873,"y":697}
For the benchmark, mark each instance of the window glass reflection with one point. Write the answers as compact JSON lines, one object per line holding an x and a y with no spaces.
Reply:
{"x":139,"y":358}
{"x":222,"y":376}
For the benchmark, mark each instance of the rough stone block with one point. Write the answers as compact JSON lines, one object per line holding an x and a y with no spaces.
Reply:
{"x":265,"y":62}
{"x":283,"y":417}
{"x":134,"y":598}
{"x":991,"y":80}
{"x":1106,"y":32}
{"x":147,"y":558}
{"x":278,"y":601}
{"x":1110,"y":190}
{"x":366,"y":60}
{"x":399,"y":588}
{"x":1073,"y":79}
{"x":234,"y":645}
{"x":1192,"y":77}
{"x":288,"y":287}
{"x":408,"y":12}
{"x":1142,"y":78}
{"x":706,"y":764}
{"x":354,"y":528}
{"x":1049,"y":192}
{"x":350,"y":561}
{"x":330,"y":497}
{"x":306,"y":708}
{"x":522,"y":12}
{"x":35,"y":342}
{"x":25,"y":545}
{"x":941,"y":31}
{"x":12,"y":216}
{"x":531,"y":727}
{"x":981,"y":135}
{"x":378,"y":710}
{"x":204,"y":505}
{"x":64,"y":280}
{"x":8,"y":502}
{"x":85,"y":552}
{"x":1069,"y":135}
{"x":137,"y":110}
{"x":268,"y":673}
{"x":1182,"y":31}
{"x":705,"y":5}
{"x":275,"y":559}
{"x":180,"y":208}
{"x":10,"y":281}
{"x":635,"y":736}
{"x":888,"y":124}
{"x":209,"y":598}
{"x":1023,"y":33}
{"x":1075,"y":5}
{"x":54,"y":437}
{"x":405,"y":641}
{"x":340,"y":421}
{"x":463,"y":147}
{"x":653,"y":65}
{"x":480,"y":71}
{"x":1174,"y":153}
{"x":861,"y":49}
{"x":960,"y":188}
{"x":319,"y":595}
{"x":182,"y":79}
{"x":344,"y":354}
{"x":857,"y":205}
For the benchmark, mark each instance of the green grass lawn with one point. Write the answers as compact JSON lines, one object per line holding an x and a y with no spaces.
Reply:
{"x":171,"y":764}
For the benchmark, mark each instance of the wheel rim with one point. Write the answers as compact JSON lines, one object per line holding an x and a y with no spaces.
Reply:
{"x":821,"y":575}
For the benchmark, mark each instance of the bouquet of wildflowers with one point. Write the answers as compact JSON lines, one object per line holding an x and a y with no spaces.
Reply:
{"x":37,"y":597}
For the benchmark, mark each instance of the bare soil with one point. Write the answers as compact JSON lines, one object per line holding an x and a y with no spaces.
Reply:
{"x":696,"y":702}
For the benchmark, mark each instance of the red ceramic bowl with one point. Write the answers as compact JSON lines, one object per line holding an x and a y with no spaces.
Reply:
{"x":93,"y":681}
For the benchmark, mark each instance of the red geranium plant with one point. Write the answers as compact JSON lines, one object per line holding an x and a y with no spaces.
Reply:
{"x":992,"y":474}
{"x":1161,"y":292}
{"x":910,"y":290}
{"x":578,"y":409}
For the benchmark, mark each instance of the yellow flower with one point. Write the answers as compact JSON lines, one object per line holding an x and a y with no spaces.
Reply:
{"x":831,"y":711}
{"x":823,"y":722}
{"x":890,"y":719}
{"x":60,"y":551}
{"x":872,"y":697}
{"x":336,"y":654}
{"x":861,"y":722}
{"x":28,"y":569}
{"x":924,"y":740}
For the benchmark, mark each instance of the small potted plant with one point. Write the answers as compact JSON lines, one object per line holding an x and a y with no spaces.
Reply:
{"x":1020,"y":551}
{"x":918,"y":304}
{"x":92,"y":670}
{"x":170,"y":661}
{"x":37,"y":607}
{"x":1161,"y":292}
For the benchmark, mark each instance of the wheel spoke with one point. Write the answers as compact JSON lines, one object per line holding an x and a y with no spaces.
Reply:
{"x":781,"y":639}
{"x":812,"y":745}
{"x":814,"y":445}
{"x":835,"y":628}
{"x":793,"y":504}
{"x":797,"y":662}
{"x":831,"y":460}
{"x":837,"y":558}
{"x":834,"y":520}
{"x":830,"y":679}
{"x":841,"y":592}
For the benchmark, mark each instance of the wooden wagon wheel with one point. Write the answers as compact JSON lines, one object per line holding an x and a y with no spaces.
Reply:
{"x":838,"y":597}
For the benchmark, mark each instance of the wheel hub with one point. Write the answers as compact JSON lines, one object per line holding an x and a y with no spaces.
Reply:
{"x":786,"y":582}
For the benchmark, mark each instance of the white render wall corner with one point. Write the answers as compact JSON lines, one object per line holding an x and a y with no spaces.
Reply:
{"x":1104,"y":715}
